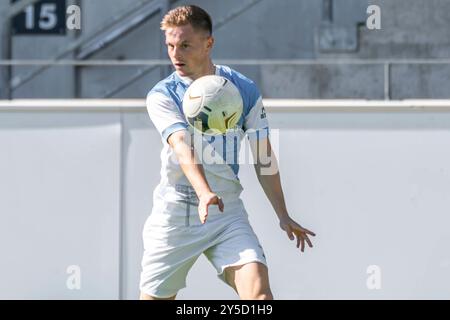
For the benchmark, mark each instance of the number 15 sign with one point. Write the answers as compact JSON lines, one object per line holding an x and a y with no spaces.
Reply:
{"x":43,"y":17}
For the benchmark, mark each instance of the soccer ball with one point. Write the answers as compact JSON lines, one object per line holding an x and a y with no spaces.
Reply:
{"x":212,"y":104}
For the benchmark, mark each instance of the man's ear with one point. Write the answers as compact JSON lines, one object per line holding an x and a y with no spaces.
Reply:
{"x":210,"y":42}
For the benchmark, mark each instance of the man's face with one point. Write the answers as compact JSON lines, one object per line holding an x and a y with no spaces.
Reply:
{"x":189,"y":50}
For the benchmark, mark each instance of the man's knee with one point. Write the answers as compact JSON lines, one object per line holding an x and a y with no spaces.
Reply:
{"x":263,"y":296}
{"x":257,"y":295}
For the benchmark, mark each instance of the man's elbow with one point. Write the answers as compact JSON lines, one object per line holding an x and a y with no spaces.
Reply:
{"x":176,"y":138}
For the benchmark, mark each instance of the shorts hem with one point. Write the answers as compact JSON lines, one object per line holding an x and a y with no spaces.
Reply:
{"x":158,"y":296}
{"x":239,"y":263}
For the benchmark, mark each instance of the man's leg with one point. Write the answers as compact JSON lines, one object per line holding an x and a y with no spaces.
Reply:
{"x":147,"y":297}
{"x":251,"y":281}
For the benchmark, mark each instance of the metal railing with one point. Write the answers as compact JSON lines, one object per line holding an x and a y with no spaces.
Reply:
{"x":153,"y":63}
{"x":272,"y":105}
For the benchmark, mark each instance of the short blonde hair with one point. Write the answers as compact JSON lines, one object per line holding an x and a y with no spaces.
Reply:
{"x":195,"y":16}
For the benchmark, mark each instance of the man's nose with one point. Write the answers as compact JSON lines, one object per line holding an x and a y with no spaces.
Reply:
{"x":176,"y":53}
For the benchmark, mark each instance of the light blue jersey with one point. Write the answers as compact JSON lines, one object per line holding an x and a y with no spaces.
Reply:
{"x":219,"y":154}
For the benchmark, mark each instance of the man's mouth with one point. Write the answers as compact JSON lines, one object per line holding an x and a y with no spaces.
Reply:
{"x":179,"y":64}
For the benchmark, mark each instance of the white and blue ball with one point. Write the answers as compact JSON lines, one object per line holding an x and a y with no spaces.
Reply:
{"x":213,"y":105}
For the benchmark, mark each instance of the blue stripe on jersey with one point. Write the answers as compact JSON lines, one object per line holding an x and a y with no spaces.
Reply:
{"x":235,"y":165}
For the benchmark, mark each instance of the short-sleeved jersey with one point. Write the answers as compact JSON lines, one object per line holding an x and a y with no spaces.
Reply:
{"x":219,"y":154}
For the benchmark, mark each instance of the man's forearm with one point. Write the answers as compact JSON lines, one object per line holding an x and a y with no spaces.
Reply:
{"x":192,"y":169}
{"x":271,"y":185}
{"x":267,"y":171}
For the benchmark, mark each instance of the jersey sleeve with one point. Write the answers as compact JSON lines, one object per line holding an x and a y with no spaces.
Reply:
{"x":255,"y":123}
{"x":164,"y":114}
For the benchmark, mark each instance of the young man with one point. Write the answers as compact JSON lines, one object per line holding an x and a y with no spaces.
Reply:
{"x":173,"y":237}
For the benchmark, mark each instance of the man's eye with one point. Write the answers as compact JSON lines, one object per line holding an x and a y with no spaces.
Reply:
{"x":184,"y":46}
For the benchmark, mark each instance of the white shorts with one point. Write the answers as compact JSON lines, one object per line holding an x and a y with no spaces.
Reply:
{"x":174,"y":238}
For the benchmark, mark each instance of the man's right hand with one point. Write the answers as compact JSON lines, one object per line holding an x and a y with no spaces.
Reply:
{"x":204,"y":201}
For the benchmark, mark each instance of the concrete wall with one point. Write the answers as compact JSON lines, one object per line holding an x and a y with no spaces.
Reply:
{"x":60,"y":204}
{"x":141,"y":43}
{"x":327,"y":82}
{"x":287,"y":29}
{"x":76,"y":188}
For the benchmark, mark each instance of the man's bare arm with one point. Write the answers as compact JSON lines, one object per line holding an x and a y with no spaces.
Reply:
{"x":194,"y":173}
{"x":267,"y":171}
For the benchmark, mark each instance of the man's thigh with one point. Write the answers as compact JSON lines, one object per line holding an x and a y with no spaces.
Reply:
{"x":251,"y":280}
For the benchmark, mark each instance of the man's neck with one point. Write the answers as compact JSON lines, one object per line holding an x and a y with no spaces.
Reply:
{"x":210,"y":70}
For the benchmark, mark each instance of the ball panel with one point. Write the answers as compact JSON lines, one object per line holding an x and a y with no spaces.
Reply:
{"x":199,"y":122}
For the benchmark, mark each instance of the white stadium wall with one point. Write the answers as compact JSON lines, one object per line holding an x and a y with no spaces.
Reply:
{"x":372,"y":179}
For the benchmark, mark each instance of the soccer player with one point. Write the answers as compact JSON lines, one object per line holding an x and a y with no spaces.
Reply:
{"x":174,"y":234}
